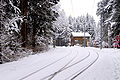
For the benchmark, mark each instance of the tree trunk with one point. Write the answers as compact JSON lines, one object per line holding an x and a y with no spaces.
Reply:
{"x":0,"y":36}
{"x":24,"y":25}
{"x":33,"y":36}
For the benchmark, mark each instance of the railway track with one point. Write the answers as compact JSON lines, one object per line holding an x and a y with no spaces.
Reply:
{"x":65,"y":67}
{"x":55,"y":73}
{"x":51,"y":76}
{"x":79,"y":72}
{"x":43,"y":67}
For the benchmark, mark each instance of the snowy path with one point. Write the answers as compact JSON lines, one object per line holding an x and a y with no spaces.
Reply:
{"x":65,"y":63}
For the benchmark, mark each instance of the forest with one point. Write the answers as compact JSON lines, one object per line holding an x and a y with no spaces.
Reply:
{"x":30,"y":26}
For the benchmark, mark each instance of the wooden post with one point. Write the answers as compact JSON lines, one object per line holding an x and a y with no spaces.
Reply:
{"x":54,"y":43}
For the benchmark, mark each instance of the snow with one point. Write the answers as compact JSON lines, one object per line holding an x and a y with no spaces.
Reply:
{"x":80,"y":34}
{"x":15,"y":8}
{"x":39,"y":66}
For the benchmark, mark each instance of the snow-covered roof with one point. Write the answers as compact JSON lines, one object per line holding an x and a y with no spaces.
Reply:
{"x":80,"y":34}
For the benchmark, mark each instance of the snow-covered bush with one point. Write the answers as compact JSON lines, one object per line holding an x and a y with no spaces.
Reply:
{"x":41,"y":43}
{"x":95,"y":43}
{"x":105,"y":44}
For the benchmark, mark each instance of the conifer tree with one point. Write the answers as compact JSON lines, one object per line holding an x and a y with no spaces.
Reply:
{"x":40,"y":17}
{"x":110,"y":12}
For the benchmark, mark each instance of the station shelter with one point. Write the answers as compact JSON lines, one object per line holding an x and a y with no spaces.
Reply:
{"x":79,"y":37}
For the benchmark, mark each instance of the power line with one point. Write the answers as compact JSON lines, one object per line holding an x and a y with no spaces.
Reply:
{"x":93,"y":6}
{"x":72,"y":7}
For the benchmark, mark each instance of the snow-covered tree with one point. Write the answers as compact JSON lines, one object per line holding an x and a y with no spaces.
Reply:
{"x":109,"y":12}
{"x":102,"y":11}
{"x":10,"y":21}
{"x":83,"y":22}
{"x":62,"y":27}
{"x":39,"y":21}
{"x":22,"y":18}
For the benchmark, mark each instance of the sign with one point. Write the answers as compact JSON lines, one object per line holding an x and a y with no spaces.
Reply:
{"x":117,"y":40}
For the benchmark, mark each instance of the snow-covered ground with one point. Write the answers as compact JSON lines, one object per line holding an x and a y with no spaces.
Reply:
{"x":65,"y":63}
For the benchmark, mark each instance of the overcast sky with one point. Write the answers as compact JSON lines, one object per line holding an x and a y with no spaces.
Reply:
{"x":80,"y":7}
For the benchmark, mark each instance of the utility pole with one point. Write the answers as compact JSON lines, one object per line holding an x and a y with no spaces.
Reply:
{"x":66,"y":36}
{"x":101,"y":31}
{"x":72,"y":7}
{"x":84,"y":34}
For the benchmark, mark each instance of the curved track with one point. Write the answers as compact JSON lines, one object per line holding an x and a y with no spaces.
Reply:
{"x":51,"y":76}
{"x":75,"y":75}
{"x":55,"y":73}
{"x":43,"y":68}
{"x":68,"y":65}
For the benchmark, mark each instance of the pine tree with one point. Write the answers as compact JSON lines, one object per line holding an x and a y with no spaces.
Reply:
{"x":62,"y":28}
{"x":110,"y":12}
{"x":10,"y":20}
{"x":104,"y":14}
{"x":78,"y":24}
{"x":40,"y":18}
{"x":116,"y":19}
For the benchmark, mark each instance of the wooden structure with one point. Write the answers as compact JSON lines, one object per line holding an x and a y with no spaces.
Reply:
{"x":78,"y":38}
{"x":60,"y":42}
